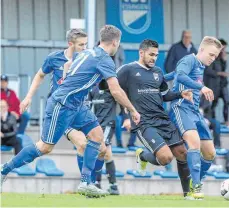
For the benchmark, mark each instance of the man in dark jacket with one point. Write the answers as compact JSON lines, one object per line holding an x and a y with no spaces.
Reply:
{"x":215,"y":78}
{"x":179,"y":50}
{"x":9,"y":128}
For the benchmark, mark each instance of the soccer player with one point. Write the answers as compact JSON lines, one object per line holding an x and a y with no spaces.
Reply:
{"x":54,"y":64}
{"x":145,"y":86}
{"x":186,"y":115}
{"x":66,"y":107}
{"x":105,"y":111}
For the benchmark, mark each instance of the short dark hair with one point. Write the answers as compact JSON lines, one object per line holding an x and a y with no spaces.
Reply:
{"x":109,"y":33}
{"x":223,"y":42}
{"x":147,"y":43}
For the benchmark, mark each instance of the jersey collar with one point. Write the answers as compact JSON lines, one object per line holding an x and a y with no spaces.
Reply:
{"x":142,"y":66}
{"x":66,"y":55}
{"x":199,"y":62}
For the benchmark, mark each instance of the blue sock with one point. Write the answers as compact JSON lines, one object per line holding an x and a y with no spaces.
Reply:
{"x":205,"y":165}
{"x":90,"y":156}
{"x":26,"y":155}
{"x":80,"y":162}
{"x":193,"y":159}
{"x":98,"y":169}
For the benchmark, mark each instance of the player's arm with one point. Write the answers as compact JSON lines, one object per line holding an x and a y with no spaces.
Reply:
{"x":37,"y":80}
{"x":168,"y":95}
{"x":182,"y":72}
{"x":170,"y":76}
{"x":121,"y":97}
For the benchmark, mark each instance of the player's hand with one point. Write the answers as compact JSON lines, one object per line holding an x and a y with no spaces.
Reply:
{"x":208,"y":93}
{"x":135,"y":117}
{"x":127,"y":124}
{"x":25,"y":104}
{"x":187,"y":95}
{"x":223,"y":74}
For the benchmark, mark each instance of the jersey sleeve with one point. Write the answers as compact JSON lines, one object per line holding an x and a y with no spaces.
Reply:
{"x":106,"y":67}
{"x":183,"y":70}
{"x":122,"y":74}
{"x":47,"y":67}
{"x":164,"y":88}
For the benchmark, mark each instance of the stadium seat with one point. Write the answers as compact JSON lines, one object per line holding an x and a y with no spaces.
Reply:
{"x":221,"y":175}
{"x":48,"y":167}
{"x":134,"y":148}
{"x":6,"y":148}
{"x":118,"y":150}
{"x":224,"y":129}
{"x":221,"y":151}
{"x":166,"y":174}
{"x":137,"y":175}
{"x":25,"y":139}
{"x":25,"y":170}
{"x":118,"y":174}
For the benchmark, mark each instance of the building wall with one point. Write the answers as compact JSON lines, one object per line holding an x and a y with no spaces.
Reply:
{"x":31,"y":29}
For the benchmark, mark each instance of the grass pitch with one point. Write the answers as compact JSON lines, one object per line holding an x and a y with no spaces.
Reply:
{"x":74,"y":200}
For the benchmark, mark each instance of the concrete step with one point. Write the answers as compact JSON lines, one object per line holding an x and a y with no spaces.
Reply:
{"x":127,"y":185}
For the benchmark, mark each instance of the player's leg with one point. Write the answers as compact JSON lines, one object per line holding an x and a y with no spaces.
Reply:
{"x":56,"y":121}
{"x":110,"y":170}
{"x":79,"y":140}
{"x":179,"y":151}
{"x":185,"y":122}
{"x":207,"y":147}
{"x":158,"y":152}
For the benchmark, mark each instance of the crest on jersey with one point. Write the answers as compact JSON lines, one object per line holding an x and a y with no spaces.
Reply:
{"x":135,"y":15}
{"x":156,"y":76}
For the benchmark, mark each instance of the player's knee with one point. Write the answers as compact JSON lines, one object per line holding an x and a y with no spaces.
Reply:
{"x":108,"y":156}
{"x":96,"y":134}
{"x":43,"y":147}
{"x":165,"y":159}
{"x":103,"y":150}
{"x":180,"y":152}
{"x":210,"y":155}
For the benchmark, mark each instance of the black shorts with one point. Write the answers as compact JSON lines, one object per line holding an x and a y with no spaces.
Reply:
{"x":154,"y":138}
{"x":108,"y":132}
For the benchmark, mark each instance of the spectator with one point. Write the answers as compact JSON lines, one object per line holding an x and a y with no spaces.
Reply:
{"x":119,"y":57}
{"x":13,"y":103}
{"x":179,"y":50}
{"x":9,"y":128}
{"x":215,"y":78}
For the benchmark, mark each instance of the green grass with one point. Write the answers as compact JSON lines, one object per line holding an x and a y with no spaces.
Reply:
{"x":73,"y":200}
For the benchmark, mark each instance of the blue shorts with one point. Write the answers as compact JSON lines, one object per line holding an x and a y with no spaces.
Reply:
{"x":58,"y":118}
{"x":186,"y":119}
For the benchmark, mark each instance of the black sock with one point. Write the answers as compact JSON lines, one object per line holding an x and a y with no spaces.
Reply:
{"x":110,"y":168}
{"x":148,"y":156}
{"x":185,"y":175}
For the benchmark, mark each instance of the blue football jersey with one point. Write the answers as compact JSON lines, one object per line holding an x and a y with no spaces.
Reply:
{"x":54,"y":64}
{"x":87,"y":70}
{"x":189,"y":75}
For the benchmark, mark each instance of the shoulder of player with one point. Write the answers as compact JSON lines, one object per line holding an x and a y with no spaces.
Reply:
{"x":55,"y":54}
{"x":188,"y":59}
{"x":126,"y":67}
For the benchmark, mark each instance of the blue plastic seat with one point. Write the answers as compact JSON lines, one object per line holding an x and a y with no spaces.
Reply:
{"x":137,"y":175}
{"x":48,"y":167}
{"x":6,"y":148}
{"x":221,"y":151}
{"x":166,"y":174}
{"x":25,"y":170}
{"x":221,"y":175}
{"x":134,"y":148}
{"x":118,"y":174}
{"x":224,"y":129}
{"x":119,"y":150}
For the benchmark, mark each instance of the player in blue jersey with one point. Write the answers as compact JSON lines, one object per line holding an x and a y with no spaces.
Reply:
{"x":65,"y":107}
{"x":54,"y":64}
{"x":186,"y":115}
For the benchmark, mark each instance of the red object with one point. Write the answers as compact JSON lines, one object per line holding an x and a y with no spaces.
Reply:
{"x":11,"y":99}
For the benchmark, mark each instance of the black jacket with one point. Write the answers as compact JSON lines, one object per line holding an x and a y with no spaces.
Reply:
{"x":9,"y":126}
